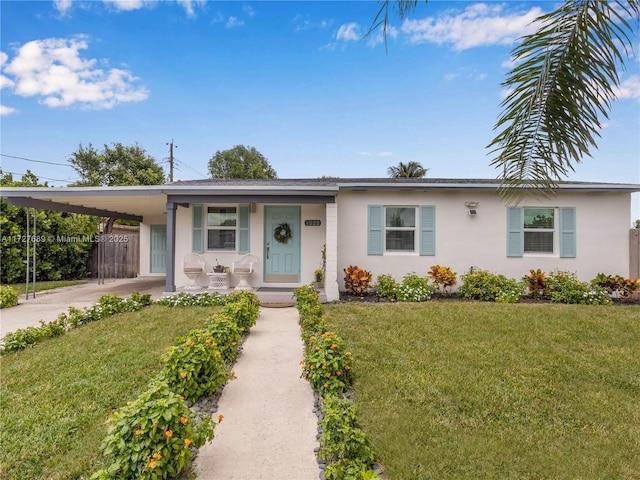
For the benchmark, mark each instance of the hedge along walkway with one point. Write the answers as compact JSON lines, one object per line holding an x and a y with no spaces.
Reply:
{"x":269,"y":427}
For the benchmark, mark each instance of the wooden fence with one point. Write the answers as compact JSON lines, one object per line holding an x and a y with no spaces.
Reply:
{"x":121,"y":256}
{"x":634,"y":253}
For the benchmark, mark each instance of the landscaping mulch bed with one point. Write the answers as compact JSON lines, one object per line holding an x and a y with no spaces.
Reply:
{"x":371,"y":297}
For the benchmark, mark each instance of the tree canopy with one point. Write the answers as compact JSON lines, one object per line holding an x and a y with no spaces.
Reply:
{"x":240,"y":162}
{"x":115,"y":165}
{"x":561,"y":86}
{"x":407,"y":170}
{"x":56,"y":258}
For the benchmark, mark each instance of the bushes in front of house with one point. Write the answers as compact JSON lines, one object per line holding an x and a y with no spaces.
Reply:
{"x":8,"y":296}
{"x":155,"y":436}
{"x":477,"y":284}
{"x":106,"y":306}
{"x":327,"y":365}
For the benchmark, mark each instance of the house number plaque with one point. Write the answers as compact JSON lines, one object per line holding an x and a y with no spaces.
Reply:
{"x":312,"y":223}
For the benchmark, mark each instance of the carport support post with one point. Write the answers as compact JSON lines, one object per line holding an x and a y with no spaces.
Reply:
{"x":170,"y":285}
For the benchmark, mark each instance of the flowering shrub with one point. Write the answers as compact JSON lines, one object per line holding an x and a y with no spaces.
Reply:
{"x":151,"y":437}
{"x":565,"y":287}
{"x":386,"y":286}
{"x":343,"y":443}
{"x":511,"y":291}
{"x":8,"y":296}
{"x":305,"y":295}
{"x":194,"y":367}
{"x":487,"y":286}
{"x":327,"y":365}
{"x":185,"y":299}
{"x":414,"y":289}
{"x":356,"y":280}
{"x":243,"y":308}
{"x":309,"y":310}
{"x":443,"y":278}
{"x":225,"y":334}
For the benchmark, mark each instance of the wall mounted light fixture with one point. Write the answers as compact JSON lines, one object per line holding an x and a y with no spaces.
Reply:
{"x":473,"y":207}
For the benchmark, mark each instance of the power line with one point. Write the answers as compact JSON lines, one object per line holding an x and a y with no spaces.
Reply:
{"x":178,"y":162}
{"x":37,"y":161}
{"x":43,"y":178}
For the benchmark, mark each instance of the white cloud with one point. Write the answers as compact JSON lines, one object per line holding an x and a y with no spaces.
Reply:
{"x":6,"y":110}
{"x":629,"y":88}
{"x":234,"y":22}
{"x":53,"y":70}
{"x":126,"y":5}
{"x":303,"y":22}
{"x":62,"y":6}
{"x":378,"y":37}
{"x":349,"y":32}
{"x":189,"y":6}
{"x":250,"y":11}
{"x":478,"y":25}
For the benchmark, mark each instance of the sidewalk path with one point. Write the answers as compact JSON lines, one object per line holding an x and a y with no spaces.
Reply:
{"x":269,"y":427}
{"x":48,"y":304}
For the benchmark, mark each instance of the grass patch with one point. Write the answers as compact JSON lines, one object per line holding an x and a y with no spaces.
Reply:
{"x":55,"y":398}
{"x":473,"y":390}
{"x":46,"y":285}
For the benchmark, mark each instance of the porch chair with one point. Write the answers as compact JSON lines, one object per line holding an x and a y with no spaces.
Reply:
{"x":243,"y":269}
{"x":193,"y":267}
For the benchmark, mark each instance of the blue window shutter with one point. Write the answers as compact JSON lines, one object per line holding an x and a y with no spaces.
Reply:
{"x":243,"y":229}
{"x":515,"y":231}
{"x":375,"y":230}
{"x":567,"y":232}
{"x":427,"y":230}
{"x":197,"y":239}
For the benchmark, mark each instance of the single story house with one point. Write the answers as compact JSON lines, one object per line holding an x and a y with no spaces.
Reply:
{"x":383,"y":225}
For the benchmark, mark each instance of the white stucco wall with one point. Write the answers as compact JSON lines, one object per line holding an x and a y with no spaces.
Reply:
{"x":312,"y":241}
{"x":463,"y":241}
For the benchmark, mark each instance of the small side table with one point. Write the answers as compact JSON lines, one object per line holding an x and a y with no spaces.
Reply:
{"x":218,"y":281}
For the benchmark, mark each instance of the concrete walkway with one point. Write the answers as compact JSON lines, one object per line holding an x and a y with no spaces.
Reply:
{"x":48,"y":304}
{"x":269,"y":427}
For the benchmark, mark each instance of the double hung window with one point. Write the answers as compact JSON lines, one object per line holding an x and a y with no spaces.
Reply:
{"x":400,"y":229}
{"x":222,"y":228}
{"x":539,"y":230}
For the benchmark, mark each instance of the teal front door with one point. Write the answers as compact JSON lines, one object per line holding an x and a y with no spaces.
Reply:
{"x":282,"y":254}
{"x":158,"y":248}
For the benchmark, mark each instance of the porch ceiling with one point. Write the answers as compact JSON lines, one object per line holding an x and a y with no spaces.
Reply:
{"x":133,"y":205}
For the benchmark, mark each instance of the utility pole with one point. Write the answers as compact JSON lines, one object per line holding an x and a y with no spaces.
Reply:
{"x":171,"y":159}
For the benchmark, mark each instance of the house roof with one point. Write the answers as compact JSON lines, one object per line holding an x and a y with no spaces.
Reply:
{"x":136,"y":202}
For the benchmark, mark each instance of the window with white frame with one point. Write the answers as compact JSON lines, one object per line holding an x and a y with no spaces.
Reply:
{"x":400,"y":229}
{"x":539,"y":230}
{"x":222,"y":228}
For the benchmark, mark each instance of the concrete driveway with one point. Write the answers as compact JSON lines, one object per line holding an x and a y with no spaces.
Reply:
{"x":50,"y":303}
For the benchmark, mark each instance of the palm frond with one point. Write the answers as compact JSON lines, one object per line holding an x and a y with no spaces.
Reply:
{"x":559,"y":91}
{"x":402,"y":9}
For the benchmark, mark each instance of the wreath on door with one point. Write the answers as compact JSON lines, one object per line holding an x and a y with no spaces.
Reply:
{"x":282,"y":233}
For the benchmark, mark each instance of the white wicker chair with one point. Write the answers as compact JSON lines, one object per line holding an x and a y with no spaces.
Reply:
{"x":193,"y":267}
{"x":243,"y":269}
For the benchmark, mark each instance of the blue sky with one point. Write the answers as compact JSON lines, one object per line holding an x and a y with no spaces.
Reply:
{"x":294,"y":79}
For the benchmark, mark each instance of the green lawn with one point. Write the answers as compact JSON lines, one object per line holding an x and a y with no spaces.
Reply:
{"x":47,"y":285}
{"x":56,"y":397}
{"x":454,"y":390}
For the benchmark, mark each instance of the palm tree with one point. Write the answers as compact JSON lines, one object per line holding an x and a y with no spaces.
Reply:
{"x":561,"y":87}
{"x":407,"y":170}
